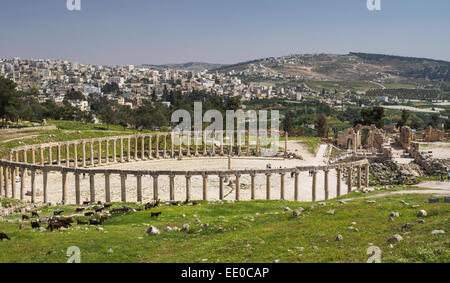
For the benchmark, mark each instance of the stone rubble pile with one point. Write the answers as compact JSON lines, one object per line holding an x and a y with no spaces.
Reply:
{"x":388,"y":173}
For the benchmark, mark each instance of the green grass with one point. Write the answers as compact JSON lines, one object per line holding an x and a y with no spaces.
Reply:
{"x":311,"y":143}
{"x":273,"y":235}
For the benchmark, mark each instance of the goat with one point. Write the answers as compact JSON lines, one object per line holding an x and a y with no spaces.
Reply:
{"x":34,"y":214}
{"x":79,"y":222}
{"x":156,"y":214}
{"x":35,"y":225}
{"x":79,"y":209}
{"x":58,"y":212}
{"x":89,"y":213}
{"x":25,"y":217}
{"x":4,"y":236}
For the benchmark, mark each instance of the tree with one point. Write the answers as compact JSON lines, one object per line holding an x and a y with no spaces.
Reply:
{"x":322,"y":126}
{"x":374,"y":116}
{"x":404,"y":119}
{"x":111,"y":88}
{"x":74,"y":95}
{"x":9,"y":101}
{"x":287,"y":122}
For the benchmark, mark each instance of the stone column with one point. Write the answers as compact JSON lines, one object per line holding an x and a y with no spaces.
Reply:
{"x":188,"y":187}
{"x":314,"y":185}
{"x":91,"y":152}
{"x":77,"y":190}
{"x":180,"y":145}
{"x":282,"y":175}
{"x":100,"y":152}
{"x":157,"y":147}
{"x":123,"y":188}
{"x":222,"y":150}
{"x":239,"y":143}
{"x":13,"y":182}
{"x":136,"y":143}
{"x":41,"y":155}
{"x":107,"y":187}
{"x":143,"y":148}
{"x":238,"y":186}
{"x":268,"y":175}
{"x":114,"y":150}
{"x":165,"y":146}
{"x":58,"y":152}
{"x":25,"y":157}
{"x":229,"y":162}
{"x":221,"y":179}
{"x":67,"y":155}
{"x":139,"y":187}
{"x":205,"y":144}
{"x":358,"y":177}
{"x":172,"y":146}
{"x":286,"y":138}
{"x":338,"y":183}
{"x":253,"y":186}
{"x":83,"y":153}
{"x":247,"y":138}
{"x":64,"y":186}
{"x":128,"y":149}
{"x":213,"y":146}
{"x":188,"y":145}
{"x":349,"y":181}
{"x":196,"y":144}
{"x":106,"y":151}
{"x":33,"y":155}
{"x":121,"y":151}
{"x":150,"y":148}
{"x":366,"y":177}
{"x":17,"y":157}
{"x":172,"y":187}
{"x":75,"y":154}
{"x":155,"y":187}
{"x":327,"y":193}
{"x":22,"y":182}
{"x":1,"y":180}
{"x":33,"y":185}
{"x":92,"y":187}
{"x":205,"y":187}
{"x":6,"y":174}
{"x":257,"y":143}
{"x":296,"y":188}
{"x":50,"y":156}
{"x":45,"y":185}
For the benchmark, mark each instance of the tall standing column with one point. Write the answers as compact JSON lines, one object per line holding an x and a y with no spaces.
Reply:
{"x":350,"y":179}
{"x":268,"y":186}
{"x":213,"y":146}
{"x":286,"y":138}
{"x":139,"y":187}
{"x":150,"y":148}
{"x":100,"y":152}
{"x":33,"y":155}
{"x":45,"y":185}
{"x":172,"y":146}
{"x":327,"y":193}
{"x":128,"y":149}
{"x":6,"y":174}
{"x":92,"y":186}
{"x":222,"y":150}
{"x":253,"y":186}
{"x":358,"y":177}
{"x":41,"y":155}
{"x":239,"y":143}
{"x":338,"y":182}
{"x":83,"y":153}
{"x":143,"y":148}
{"x":33,"y":185}
{"x":114,"y":150}
{"x":247,"y":138}
{"x":188,"y":187}
{"x":205,"y":187}
{"x":257,"y":143}
{"x":165,"y":146}
{"x":13,"y":182}
{"x":75,"y":154}
{"x":58,"y":153}
{"x":188,"y":144}
{"x":136,"y":138}
{"x":121,"y":151}
{"x":67,"y":155}
{"x":366,"y":178}
{"x":157,"y":147}
{"x":64,"y":186}
{"x":25,"y":157}
{"x":180,"y":145}
{"x":50,"y":156}
{"x":296,"y":188}
{"x":1,"y":181}
{"x":22,"y":182}
{"x":123,"y":188}
{"x":238,"y":187}
{"x":314,"y":185}
{"x":205,"y":144}
{"x":221,"y":180}
{"x":282,"y":175}
{"x":91,"y":152}
{"x":107,"y":187}
{"x":155,"y":187}
{"x":172,"y":187}
{"x":77,"y":190}
{"x":106,"y":151}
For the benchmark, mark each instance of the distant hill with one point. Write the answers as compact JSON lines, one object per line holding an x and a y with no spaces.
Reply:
{"x":190,"y":66}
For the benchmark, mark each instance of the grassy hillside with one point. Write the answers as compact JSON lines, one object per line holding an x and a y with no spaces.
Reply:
{"x":256,"y":231}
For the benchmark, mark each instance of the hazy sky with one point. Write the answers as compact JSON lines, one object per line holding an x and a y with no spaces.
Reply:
{"x":219,"y":31}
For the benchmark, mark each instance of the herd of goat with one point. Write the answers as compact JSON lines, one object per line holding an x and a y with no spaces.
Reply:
{"x":56,"y":222}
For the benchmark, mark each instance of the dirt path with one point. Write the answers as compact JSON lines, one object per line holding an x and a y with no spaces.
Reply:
{"x":433,"y":188}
